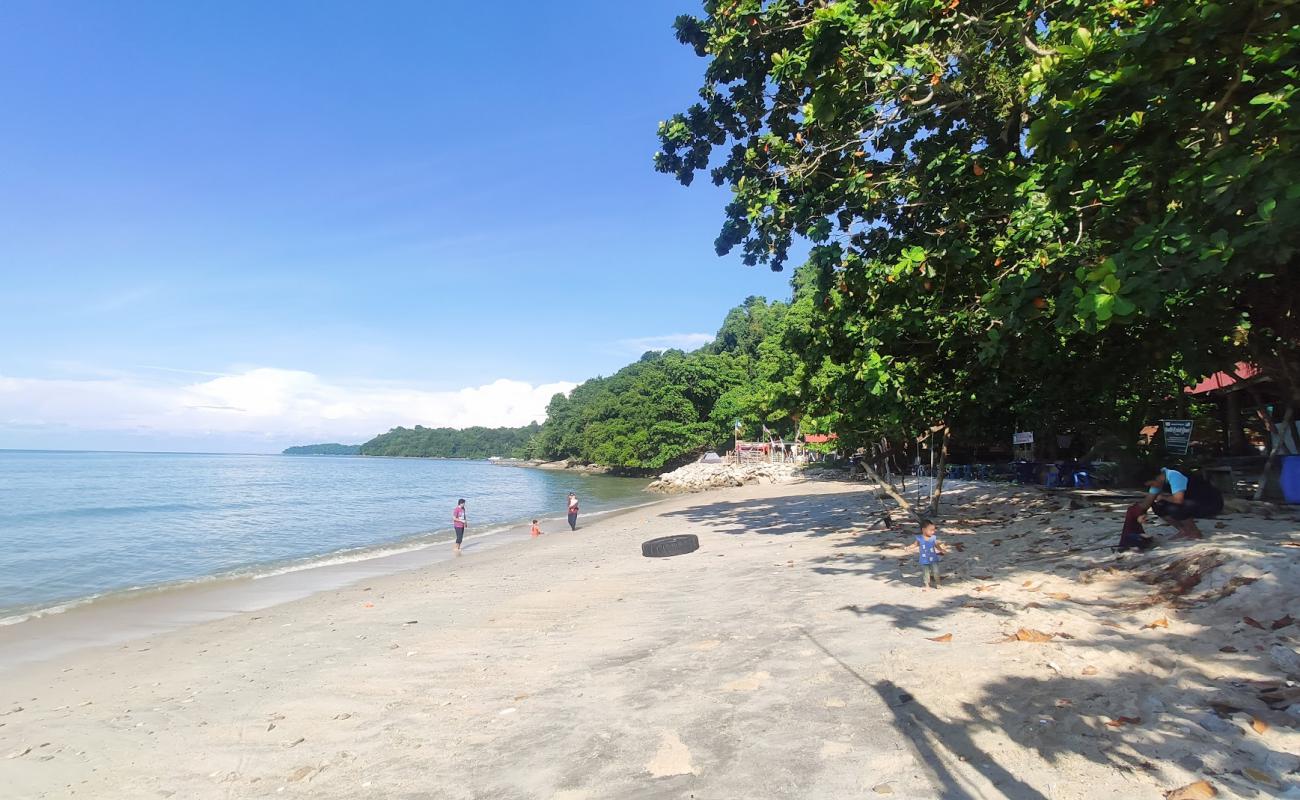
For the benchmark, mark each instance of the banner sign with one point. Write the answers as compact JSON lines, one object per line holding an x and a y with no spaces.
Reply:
{"x":1178,"y":435}
{"x":1026,"y":437}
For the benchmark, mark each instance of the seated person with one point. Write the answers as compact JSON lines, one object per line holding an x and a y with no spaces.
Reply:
{"x":1181,"y":499}
{"x":1133,"y":535}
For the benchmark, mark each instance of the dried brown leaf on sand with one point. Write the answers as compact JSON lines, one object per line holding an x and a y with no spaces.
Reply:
{"x":1089,"y":671}
{"x":1259,"y":725}
{"x":1259,"y":776}
{"x":1283,"y":622}
{"x":947,"y":637}
{"x":1163,"y":622}
{"x":1058,"y":595}
{"x":1031,"y":635}
{"x":1201,"y":790}
{"x":1252,"y":622}
{"x":1119,"y":722}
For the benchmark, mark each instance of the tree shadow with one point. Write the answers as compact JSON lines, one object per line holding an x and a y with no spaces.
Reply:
{"x":1131,"y":721}
{"x":937,"y":744}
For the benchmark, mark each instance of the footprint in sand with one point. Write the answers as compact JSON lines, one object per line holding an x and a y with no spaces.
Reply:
{"x":832,"y":749}
{"x":673,"y":758}
{"x":749,"y":683}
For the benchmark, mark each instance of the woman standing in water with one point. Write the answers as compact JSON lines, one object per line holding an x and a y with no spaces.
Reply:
{"x":573,"y":511}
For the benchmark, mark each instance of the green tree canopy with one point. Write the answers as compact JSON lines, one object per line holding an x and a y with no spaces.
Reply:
{"x":999,"y":192}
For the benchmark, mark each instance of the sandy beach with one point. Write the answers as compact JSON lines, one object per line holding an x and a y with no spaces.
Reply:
{"x":792,"y":656}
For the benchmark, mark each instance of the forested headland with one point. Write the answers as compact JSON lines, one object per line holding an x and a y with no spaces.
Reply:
{"x":331,"y":449}
{"x":473,"y":442}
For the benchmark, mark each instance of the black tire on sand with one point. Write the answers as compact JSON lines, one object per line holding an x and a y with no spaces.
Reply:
{"x":670,"y":546}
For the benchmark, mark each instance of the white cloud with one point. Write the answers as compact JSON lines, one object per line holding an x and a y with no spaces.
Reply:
{"x":258,"y":407}
{"x":672,"y":341}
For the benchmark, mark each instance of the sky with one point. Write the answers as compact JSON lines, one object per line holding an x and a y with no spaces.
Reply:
{"x":237,"y":226}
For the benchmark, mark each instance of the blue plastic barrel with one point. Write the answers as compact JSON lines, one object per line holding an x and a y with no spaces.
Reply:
{"x":1291,"y":478}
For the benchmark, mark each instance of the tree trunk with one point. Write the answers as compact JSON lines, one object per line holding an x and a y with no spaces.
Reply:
{"x":889,"y":490}
{"x":940,"y":473}
{"x":1279,"y":442}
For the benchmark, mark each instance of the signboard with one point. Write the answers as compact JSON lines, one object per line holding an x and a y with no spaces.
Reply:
{"x":1025,"y":437}
{"x":1178,"y":435}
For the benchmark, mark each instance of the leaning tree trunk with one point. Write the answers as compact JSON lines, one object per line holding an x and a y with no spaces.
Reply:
{"x":940,"y":473}
{"x":1279,"y":442}
{"x":890,"y":490}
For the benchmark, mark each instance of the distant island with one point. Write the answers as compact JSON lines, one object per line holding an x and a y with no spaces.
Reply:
{"x":422,"y":442}
{"x":331,"y":449}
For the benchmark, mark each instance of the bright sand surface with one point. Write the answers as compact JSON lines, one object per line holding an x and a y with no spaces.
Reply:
{"x":792,"y":656}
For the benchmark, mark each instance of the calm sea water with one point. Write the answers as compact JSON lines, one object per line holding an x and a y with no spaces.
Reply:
{"x":76,"y":525}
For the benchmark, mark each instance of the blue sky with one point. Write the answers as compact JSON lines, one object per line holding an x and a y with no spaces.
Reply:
{"x":319,"y":218}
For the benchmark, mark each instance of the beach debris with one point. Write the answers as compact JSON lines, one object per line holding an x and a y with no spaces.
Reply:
{"x":1252,"y":622}
{"x":1259,"y":776}
{"x":947,"y":637}
{"x":1163,"y":622}
{"x":1058,"y":595}
{"x":1119,"y":722}
{"x":1088,"y":671}
{"x":985,"y":587}
{"x":882,"y":788}
{"x":344,"y":715}
{"x":411,"y":622}
{"x":1278,"y":624}
{"x":1029,"y":635}
{"x":302,"y":772}
{"x":19,"y":753}
{"x":1259,"y":725}
{"x":1200,"y":790}
{"x":666,"y":546}
{"x":297,"y":741}
{"x":1064,"y":702}
{"x":1227,"y":648}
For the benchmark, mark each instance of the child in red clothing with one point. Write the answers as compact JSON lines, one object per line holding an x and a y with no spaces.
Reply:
{"x":1133,"y":534}
{"x":536,"y":530}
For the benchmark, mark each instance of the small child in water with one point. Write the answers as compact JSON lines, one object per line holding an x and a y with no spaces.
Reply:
{"x":536,"y":530}
{"x":930,"y":551}
{"x":1133,"y":535}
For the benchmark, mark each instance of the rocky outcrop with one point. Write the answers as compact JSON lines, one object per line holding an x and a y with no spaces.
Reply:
{"x":699,"y":477}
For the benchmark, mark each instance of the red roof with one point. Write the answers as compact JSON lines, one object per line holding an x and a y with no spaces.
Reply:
{"x":1220,"y":380}
{"x":820,"y":438}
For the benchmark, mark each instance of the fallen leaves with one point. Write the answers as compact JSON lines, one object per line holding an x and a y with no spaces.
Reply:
{"x":1259,"y":725}
{"x":1278,"y":624}
{"x":1058,"y":595}
{"x":947,"y":637}
{"x":1119,"y":722}
{"x":1089,"y":671}
{"x":1252,"y":622}
{"x":1201,"y":790}
{"x":1029,"y":635}
{"x":1259,"y":776}
{"x":1163,"y":622}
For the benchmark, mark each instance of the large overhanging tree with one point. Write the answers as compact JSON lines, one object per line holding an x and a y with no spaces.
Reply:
{"x":996,"y":189}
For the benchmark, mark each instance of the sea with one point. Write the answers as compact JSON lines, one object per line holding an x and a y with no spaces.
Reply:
{"x":80,"y":527}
